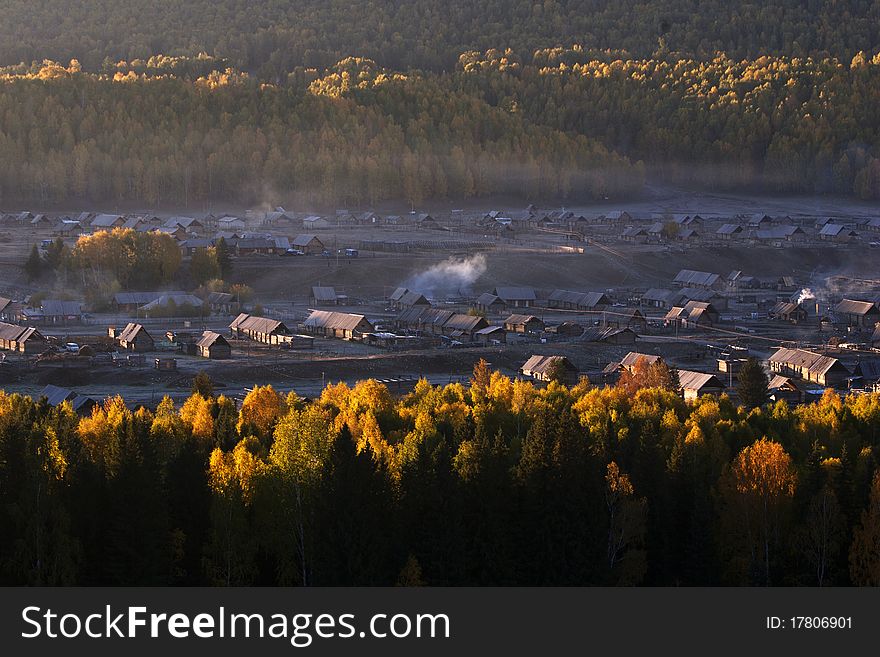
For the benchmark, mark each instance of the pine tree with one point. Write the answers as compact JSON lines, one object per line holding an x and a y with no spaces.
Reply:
{"x":224,"y":261}
{"x":752,"y":384}
{"x":34,"y":265}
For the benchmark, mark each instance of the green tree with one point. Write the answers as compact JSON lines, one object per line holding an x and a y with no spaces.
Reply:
{"x":752,"y":384}
{"x":222,"y":257}
{"x":33,"y":266}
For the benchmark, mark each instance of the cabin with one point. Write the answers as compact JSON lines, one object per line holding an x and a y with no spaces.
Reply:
{"x":779,"y":234}
{"x":609,"y":335}
{"x":189,"y":224}
{"x":463,"y":327}
{"x":860,"y":314}
{"x":583,"y":301}
{"x":491,"y":335}
{"x":758,"y":221}
{"x":810,"y":366}
{"x":788,"y":389}
{"x":545,"y":368}
{"x":523,"y":324}
{"x":729,"y":232}
{"x":489,"y":303}
{"x":323,"y":296}
{"x":330,"y":324}
{"x":837,"y":233}
{"x":56,"y":311}
{"x":107,"y":221}
{"x":785,"y":311}
{"x":516,"y":297}
{"x":308,"y":244}
{"x":213,"y":345}
{"x":406,"y":298}
{"x":696,"y":384}
{"x":631,"y":318}
{"x":867,"y":372}
{"x":693,"y":314}
{"x":658,"y":298}
{"x":567,"y":330}
{"x":220,"y":302}
{"x":314,"y":222}
{"x":55,"y":396}
{"x":134,"y":337}
{"x":255,"y":246}
{"x":425,"y":319}
{"x":701,"y":279}
{"x":616,"y":217}
{"x":22,"y":339}
{"x":230,"y":224}
{"x":635,"y":234}
{"x":259,"y":329}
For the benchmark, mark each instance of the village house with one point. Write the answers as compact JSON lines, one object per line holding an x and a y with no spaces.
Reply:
{"x":220,"y":303}
{"x":134,"y":337}
{"x":56,"y":311}
{"x":545,"y":368}
{"x":489,"y":303}
{"x":129,"y":302}
{"x":55,"y":396}
{"x":566,"y":330}
{"x":330,"y":324}
{"x":406,"y":298}
{"x":701,"y":279}
{"x":583,"y":301}
{"x":308,"y":244}
{"x":213,"y":345}
{"x":636,"y":234}
{"x":837,"y":233}
{"x":658,"y":298}
{"x":173,"y":305}
{"x":695,"y":384}
{"x":693,"y":314}
{"x":779,"y":234}
{"x":628,"y":363}
{"x":631,"y":318}
{"x":523,"y":324}
{"x":810,"y":366}
{"x":516,"y":297}
{"x":791,"y":390}
{"x":315,"y":222}
{"x":861,"y":314}
{"x":609,"y":335}
{"x":491,"y":335}
{"x":323,"y":296}
{"x":729,"y":232}
{"x":463,"y":327}
{"x":21,"y":339}
{"x":107,"y":222}
{"x":788,"y":312}
{"x":230,"y":224}
{"x":189,"y":224}
{"x":259,"y":329}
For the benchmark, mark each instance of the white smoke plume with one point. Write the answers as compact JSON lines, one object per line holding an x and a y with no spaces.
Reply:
{"x":451,"y":278}
{"x":805,"y":293}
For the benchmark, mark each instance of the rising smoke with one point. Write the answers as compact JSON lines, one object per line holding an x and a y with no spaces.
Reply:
{"x":805,"y":293}
{"x":453,"y":277}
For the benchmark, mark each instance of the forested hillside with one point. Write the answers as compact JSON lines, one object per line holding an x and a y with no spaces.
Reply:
{"x":499,"y":483}
{"x":169,"y":104}
{"x":270,"y":37}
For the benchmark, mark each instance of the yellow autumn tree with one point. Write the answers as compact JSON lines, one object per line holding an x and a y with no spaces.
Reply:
{"x":261,"y":409}
{"x":760,"y":484}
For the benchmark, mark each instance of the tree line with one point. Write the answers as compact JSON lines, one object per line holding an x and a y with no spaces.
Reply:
{"x":158,"y":139}
{"x":500,"y":482}
{"x":270,"y":38}
{"x":771,"y":123}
